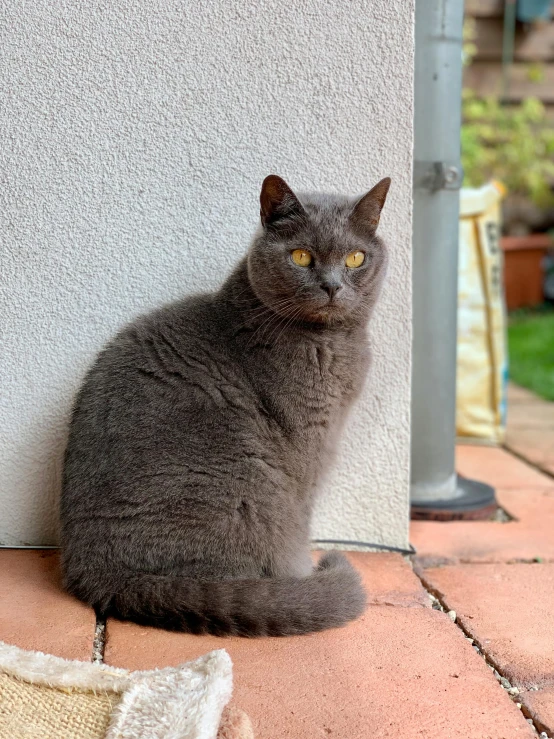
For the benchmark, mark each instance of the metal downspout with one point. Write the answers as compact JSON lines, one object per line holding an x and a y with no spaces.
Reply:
{"x":436,"y":490}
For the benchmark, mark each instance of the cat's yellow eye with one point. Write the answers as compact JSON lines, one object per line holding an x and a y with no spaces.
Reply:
{"x":301,"y":257}
{"x":355,"y":259}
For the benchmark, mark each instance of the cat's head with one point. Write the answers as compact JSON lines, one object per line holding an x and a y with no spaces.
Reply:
{"x":318,"y":258}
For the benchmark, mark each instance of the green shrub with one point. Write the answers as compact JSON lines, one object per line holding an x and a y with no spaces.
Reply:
{"x":512,"y":144}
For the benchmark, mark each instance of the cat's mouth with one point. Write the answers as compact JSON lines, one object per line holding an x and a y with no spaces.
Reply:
{"x":317,"y":311}
{"x":331,"y":312}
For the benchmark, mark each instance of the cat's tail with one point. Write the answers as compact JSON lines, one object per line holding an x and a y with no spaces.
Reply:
{"x":331,"y":596}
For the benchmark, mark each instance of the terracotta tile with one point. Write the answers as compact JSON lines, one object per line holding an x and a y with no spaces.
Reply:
{"x":540,"y":706}
{"x":534,"y":444}
{"x":377,"y":672}
{"x":389,"y":579}
{"x":517,"y":394}
{"x":498,"y":467}
{"x":376,"y":677}
{"x":530,"y":431}
{"x":539,"y":441}
{"x":524,"y":539}
{"x":519,"y":397}
{"x":35,"y":613}
{"x":508,"y":610}
{"x":537,"y":415}
{"x":532,"y":506}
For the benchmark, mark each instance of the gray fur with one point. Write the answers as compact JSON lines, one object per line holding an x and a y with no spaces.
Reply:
{"x":198,"y":438}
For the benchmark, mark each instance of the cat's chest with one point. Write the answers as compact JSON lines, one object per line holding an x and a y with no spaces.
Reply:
{"x":332,"y":369}
{"x":312,"y":381}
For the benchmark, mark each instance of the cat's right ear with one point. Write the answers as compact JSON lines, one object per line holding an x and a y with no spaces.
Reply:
{"x":367,"y":210}
{"x":277,"y":200}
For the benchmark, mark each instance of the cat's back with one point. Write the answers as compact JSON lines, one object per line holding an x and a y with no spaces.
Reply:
{"x":192,"y":321}
{"x":176,"y":362}
{"x":161,"y":344}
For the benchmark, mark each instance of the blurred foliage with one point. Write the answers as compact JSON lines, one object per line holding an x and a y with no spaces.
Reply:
{"x":513,"y":144}
{"x":535,"y":72}
{"x":469,"y":34}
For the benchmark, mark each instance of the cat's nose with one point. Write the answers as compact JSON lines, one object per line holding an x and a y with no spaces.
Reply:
{"x":331,"y":288}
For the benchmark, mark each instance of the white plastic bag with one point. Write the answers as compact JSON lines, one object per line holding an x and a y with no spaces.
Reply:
{"x":482,"y":367}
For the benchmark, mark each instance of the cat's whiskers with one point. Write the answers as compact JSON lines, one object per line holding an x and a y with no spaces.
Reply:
{"x":281,"y":314}
{"x":283,"y":317}
{"x":295,"y":315}
{"x":296,"y":311}
{"x":269,"y":309}
{"x":244,"y":290}
{"x":265,"y":308}
{"x":275,"y":314}
{"x":261,"y":331}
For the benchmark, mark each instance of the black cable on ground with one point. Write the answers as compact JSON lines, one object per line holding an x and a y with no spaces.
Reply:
{"x":369,"y":545}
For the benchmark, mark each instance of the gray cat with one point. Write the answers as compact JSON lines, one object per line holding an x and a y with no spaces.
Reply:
{"x":200,"y":434}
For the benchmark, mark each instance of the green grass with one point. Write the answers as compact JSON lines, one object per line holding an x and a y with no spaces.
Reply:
{"x":531,"y":350}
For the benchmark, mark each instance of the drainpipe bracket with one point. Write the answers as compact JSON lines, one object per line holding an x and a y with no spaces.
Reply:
{"x":435,"y":176}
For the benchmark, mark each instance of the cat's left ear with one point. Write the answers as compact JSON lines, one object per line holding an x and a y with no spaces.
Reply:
{"x":367,"y":210}
{"x":277,"y":200}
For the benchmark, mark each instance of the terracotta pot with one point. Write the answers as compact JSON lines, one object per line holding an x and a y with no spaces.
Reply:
{"x":523,"y":269}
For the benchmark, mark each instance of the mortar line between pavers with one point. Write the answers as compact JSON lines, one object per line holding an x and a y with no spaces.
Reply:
{"x":508,"y":562}
{"x":527,"y":461}
{"x":439,"y":605}
{"x":99,"y":643}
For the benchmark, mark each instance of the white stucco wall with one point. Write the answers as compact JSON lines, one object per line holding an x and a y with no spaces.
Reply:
{"x":134,"y":136}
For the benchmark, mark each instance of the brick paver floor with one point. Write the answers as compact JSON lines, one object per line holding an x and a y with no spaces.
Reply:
{"x":530,"y":431}
{"x":462,"y":645}
{"x":498,"y":578}
{"x":403,"y":670}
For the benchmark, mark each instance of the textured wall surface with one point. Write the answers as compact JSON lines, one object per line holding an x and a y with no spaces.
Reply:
{"x":134,"y":139}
